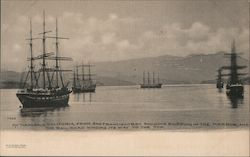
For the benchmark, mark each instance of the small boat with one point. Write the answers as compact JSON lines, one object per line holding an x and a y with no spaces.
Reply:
{"x":148,"y":84}
{"x":45,"y":91}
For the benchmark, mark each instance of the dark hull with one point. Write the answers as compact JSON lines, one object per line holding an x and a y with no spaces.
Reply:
{"x":32,"y":100}
{"x":235,"y":90}
{"x":76,"y":90}
{"x":219,"y":85}
{"x":151,"y":85}
{"x":83,"y":90}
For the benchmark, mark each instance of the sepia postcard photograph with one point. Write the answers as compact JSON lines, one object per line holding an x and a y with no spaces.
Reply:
{"x":124,"y":78}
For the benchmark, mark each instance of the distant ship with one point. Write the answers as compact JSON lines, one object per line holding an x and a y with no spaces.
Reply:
{"x":220,"y":83}
{"x":147,"y":83}
{"x":85,"y":84}
{"x":234,"y":86}
{"x":40,"y":88}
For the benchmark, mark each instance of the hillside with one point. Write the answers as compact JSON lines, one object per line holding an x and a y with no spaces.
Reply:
{"x":11,"y":79}
{"x":190,"y":69}
{"x":197,"y":68}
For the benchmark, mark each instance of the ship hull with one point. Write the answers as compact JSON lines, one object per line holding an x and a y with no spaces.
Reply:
{"x":235,"y":90}
{"x":84,"y":90}
{"x":32,"y":100}
{"x":151,"y":85}
{"x":76,"y":90}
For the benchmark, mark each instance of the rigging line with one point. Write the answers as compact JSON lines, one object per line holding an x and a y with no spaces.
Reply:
{"x":24,"y":84}
{"x":60,"y":74}
{"x":22,"y":77}
{"x":37,"y":79}
{"x":36,"y":85}
{"x":61,"y":78}
{"x":52,"y":77}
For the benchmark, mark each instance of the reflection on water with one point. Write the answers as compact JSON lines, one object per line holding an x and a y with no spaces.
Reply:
{"x":220,"y":90}
{"x":192,"y":104}
{"x":83,"y":97}
{"x":37,"y":112}
{"x":235,"y":101}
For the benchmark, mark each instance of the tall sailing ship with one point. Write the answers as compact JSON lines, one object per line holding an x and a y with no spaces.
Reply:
{"x":83,"y":83}
{"x":147,"y":82}
{"x":40,"y":88}
{"x":234,"y":85}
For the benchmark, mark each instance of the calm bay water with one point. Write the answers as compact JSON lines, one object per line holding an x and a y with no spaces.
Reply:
{"x":175,"y":107}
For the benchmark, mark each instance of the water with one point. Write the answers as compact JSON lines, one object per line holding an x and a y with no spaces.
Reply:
{"x":174,"y":107}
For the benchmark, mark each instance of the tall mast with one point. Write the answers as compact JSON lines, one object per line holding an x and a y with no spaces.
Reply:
{"x":83,"y":72}
{"x":153,"y":77}
{"x":148,"y":78}
{"x":43,"y":64}
{"x":58,"y":58}
{"x":74,"y":79}
{"x":234,"y":74}
{"x":89,"y":72}
{"x":31,"y":57}
{"x":143,"y":77}
{"x":57,"y":51}
{"x":158,"y":78}
{"x":77,"y":75}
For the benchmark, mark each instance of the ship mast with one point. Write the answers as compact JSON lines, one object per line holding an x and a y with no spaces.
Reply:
{"x":143,"y":77}
{"x":77,"y":75}
{"x":57,"y":64}
{"x":57,"y":58}
{"x":31,"y":57}
{"x":43,"y":57}
{"x":83,"y":72}
{"x":158,"y":79}
{"x":153,"y":77}
{"x":89,"y":72}
{"x":44,"y":70}
{"x":148,"y":78}
{"x":233,"y":75}
{"x":31,"y":68}
{"x":74,"y":79}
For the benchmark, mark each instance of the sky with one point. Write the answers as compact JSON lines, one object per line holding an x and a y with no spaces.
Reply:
{"x":124,"y":29}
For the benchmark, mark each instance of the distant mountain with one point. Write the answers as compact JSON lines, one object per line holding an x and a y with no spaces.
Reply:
{"x":10,"y":79}
{"x":173,"y":70}
{"x":10,"y":76}
{"x":198,"y":68}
